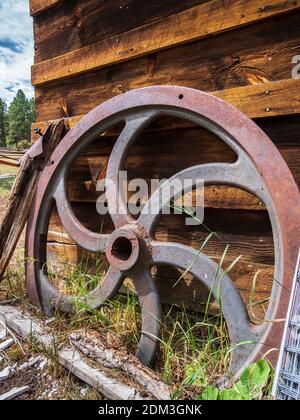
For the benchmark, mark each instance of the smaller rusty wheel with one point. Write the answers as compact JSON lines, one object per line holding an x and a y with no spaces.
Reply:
{"x":132,"y":250}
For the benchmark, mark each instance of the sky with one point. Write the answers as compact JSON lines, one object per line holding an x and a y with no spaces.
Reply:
{"x":16,"y":48}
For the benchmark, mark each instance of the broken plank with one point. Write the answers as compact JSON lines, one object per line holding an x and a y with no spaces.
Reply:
{"x":105,"y":381}
{"x":117,"y":359}
{"x":113,"y":390}
{"x":198,"y":22}
{"x":2,"y":332}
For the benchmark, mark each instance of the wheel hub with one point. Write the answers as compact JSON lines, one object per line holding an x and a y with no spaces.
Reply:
{"x":132,"y":249}
{"x":123,"y":248}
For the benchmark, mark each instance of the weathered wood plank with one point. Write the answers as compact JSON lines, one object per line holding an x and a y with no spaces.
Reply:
{"x":79,"y":23}
{"x":257,"y":101}
{"x":106,"y":381}
{"x":93,"y":347}
{"x":21,"y":196}
{"x":103,"y":380}
{"x":251,"y":237}
{"x":14,"y":393}
{"x":39,"y":6}
{"x":248,"y":56}
{"x":5,"y":373}
{"x":198,"y":22}
{"x":215,"y":196}
{"x":267,"y":99}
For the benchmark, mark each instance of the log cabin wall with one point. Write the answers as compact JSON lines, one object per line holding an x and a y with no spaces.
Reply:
{"x":239,"y":50}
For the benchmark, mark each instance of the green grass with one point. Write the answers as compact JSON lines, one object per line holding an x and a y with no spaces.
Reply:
{"x":6,"y":185}
{"x":6,"y":169}
{"x":195,"y":348}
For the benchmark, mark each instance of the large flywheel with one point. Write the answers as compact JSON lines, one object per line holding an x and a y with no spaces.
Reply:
{"x":131,"y":248}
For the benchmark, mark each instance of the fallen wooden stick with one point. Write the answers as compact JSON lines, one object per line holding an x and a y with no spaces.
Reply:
{"x":118,"y":359}
{"x":22,"y":193}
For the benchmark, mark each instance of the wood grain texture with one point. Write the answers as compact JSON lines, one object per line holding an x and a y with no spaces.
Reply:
{"x":28,"y":327}
{"x":215,"y":196}
{"x":256,"y":101}
{"x":39,"y":6}
{"x":267,"y":99}
{"x":92,"y":346}
{"x":244,"y":57}
{"x":155,"y":155}
{"x":198,"y":22}
{"x":251,"y":237}
{"x":80,"y":23}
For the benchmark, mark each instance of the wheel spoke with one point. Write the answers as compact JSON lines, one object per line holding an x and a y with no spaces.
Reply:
{"x":114,"y":190}
{"x":239,"y":174}
{"x":52,"y":299}
{"x":151,"y":313}
{"x":213,"y":277}
{"x":83,"y":237}
{"x":106,"y":290}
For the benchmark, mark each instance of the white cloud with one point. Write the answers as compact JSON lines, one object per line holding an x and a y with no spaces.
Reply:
{"x":16,"y":48}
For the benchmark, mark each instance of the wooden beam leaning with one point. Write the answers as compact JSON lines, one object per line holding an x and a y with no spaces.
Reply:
{"x":257,"y":101}
{"x":39,"y":6}
{"x":22,"y":193}
{"x":201,"y":21}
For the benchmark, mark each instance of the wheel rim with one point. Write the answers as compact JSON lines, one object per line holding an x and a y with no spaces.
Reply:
{"x":254,"y":171}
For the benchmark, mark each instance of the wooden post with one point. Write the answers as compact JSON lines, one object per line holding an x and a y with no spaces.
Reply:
{"x":17,"y":210}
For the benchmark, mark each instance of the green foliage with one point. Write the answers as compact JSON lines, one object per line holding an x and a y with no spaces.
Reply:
{"x":23,"y":144}
{"x":195,"y":374}
{"x":3,"y":123}
{"x":249,"y":387}
{"x":20,"y":116}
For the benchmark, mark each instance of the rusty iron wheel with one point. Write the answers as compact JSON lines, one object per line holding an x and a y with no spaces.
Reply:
{"x":132,"y":250}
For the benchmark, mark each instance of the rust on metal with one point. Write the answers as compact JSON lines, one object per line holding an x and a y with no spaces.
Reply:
{"x":132,"y":249}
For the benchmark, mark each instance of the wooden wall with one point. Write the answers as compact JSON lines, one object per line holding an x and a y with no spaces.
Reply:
{"x":241,"y":51}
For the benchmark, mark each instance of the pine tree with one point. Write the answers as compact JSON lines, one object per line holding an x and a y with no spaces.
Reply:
{"x":20,"y":117}
{"x":3,"y":123}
